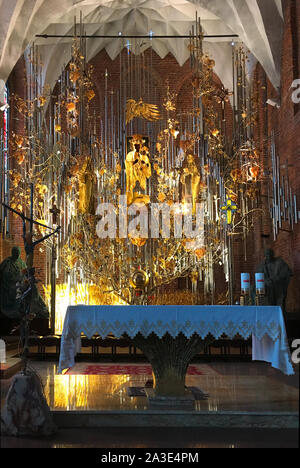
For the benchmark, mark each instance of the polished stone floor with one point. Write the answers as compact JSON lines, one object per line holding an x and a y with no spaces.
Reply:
{"x":231,"y":386}
{"x":160,"y":438}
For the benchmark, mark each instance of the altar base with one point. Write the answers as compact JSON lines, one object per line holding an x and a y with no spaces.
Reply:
{"x":184,"y":402}
{"x":170,"y":358}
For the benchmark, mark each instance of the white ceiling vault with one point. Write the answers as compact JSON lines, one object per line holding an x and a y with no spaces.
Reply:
{"x":259,"y":24}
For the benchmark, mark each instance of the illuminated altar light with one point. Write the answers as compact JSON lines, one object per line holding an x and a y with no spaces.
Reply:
{"x":75,"y":392}
{"x":82,"y":293}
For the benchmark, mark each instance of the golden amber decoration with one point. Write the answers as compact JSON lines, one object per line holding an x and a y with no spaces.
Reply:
{"x":70,"y":106}
{"x":200,"y":253}
{"x":138,"y":241}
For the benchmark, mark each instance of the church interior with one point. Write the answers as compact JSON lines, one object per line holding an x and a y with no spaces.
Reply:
{"x":150,"y":223}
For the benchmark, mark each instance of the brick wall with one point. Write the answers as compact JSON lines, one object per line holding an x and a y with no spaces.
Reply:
{"x":16,"y":85}
{"x":286,"y":122}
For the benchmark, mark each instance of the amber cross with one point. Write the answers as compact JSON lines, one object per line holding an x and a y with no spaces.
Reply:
{"x":230,"y":208}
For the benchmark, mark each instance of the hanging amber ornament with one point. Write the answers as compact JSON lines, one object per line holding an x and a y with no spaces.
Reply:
{"x":19,"y":140}
{"x":215,"y":132}
{"x":42,"y":100}
{"x":174,"y":132}
{"x":15,"y":178}
{"x":254,"y":172}
{"x":200,"y":253}
{"x":232,"y":195}
{"x":161,"y":197}
{"x":90,"y":94}
{"x":70,"y":106}
{"x":20,"y":156}
{"x":138,"y":241}
{"x":74,"y":76}
{"x":194,"y":276}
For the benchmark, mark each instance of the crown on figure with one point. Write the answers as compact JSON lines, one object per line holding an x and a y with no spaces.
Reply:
{"x":137,"y":139}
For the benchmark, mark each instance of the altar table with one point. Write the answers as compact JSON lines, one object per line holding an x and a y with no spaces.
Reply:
{"x":264,"y":323}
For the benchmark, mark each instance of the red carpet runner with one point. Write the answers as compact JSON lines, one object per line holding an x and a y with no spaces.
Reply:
{"x":98,"y":369}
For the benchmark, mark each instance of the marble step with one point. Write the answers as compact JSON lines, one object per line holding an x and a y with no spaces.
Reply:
{"x":172,"y":418}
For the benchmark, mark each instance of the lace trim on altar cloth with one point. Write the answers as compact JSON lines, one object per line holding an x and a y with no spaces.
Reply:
{"x":160,"y":328}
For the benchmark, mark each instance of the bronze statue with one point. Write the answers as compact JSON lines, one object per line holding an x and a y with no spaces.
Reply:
{"x":11,"y":272}
{"x":277,"y":277}
{"x":15,"y":275}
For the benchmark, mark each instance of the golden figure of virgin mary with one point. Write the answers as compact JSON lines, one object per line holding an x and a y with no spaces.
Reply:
{"x":190,"y":179}
{"x":138,"y":167}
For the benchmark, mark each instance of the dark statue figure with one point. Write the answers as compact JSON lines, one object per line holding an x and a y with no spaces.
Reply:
{"x":277,"y":277}
{"x":13,"y":272}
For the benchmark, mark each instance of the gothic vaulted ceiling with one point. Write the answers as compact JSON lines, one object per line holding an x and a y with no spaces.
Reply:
{"x":258,"y":23}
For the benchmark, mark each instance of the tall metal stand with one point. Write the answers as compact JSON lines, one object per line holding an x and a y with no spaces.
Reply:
{"x":230,"y":267}
{"x":53,"y":287}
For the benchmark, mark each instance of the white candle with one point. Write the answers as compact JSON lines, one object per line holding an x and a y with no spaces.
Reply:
{"x":245,"y":282}
{"x":260,"y":282}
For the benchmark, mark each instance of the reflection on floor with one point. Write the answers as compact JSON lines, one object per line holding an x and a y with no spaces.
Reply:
{"x":125,"y":439}
{"x":231,"y":387}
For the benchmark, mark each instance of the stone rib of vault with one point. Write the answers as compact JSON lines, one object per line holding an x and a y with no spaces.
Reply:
{"x":258,"y":23}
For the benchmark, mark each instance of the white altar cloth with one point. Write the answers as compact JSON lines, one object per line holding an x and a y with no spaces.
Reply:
{"x":264,"y":323}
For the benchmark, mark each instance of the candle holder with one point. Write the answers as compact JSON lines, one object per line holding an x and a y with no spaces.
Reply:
{"x":260,"y":300}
